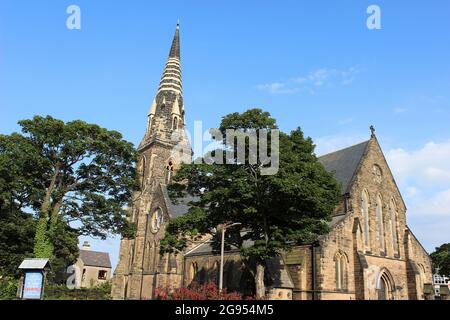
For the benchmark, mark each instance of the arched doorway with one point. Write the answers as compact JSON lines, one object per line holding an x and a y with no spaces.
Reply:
{"x":385,"y":286}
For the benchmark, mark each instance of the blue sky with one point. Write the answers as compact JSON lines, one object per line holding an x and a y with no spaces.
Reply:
{"x":312,"y":64}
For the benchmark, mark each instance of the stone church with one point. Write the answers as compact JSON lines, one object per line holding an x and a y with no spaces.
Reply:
{"x":370,"y":252}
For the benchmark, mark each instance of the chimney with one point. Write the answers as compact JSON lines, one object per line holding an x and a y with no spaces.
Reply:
{"x":86,"y":246}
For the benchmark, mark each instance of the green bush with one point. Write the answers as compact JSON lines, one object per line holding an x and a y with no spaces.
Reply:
{"x":61,"y":292}
{"x":8,"y":288}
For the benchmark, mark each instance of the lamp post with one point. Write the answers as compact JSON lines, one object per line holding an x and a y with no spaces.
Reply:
{"x":223,"y":228}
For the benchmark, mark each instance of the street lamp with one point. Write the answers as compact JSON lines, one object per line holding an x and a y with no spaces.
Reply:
{"x":223,"y":228}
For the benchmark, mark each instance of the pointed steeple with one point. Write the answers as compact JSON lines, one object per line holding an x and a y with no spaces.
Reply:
{"x":167,"y":108}
{"x":175,"y":49}
{"x":171,"y":78}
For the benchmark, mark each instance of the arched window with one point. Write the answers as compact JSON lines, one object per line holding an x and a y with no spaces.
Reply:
{"x":340,"y":262}
{"x":131,"y":259}
{"x":155,"y":256}
{"x":385,"y":286}
{"x":193,"y":270}
{"x":142,"y":167}
{"x":156,"y":220}
{"x":393,"y":216}
{"x":175,"y":123}
{"x":380,"y":223}
{"x":125,"y":290}
{"x":149,"y":256}
{"x":169,"y":171}
{"x":365,"y":217}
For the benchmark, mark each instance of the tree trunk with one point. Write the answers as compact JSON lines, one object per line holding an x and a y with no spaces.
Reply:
{"x":43,"y":247}
{"x":55,"y":213}
{"x":259,"y":281}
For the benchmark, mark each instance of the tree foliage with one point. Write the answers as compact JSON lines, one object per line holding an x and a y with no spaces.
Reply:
{"x":17,"y":231}
{"x":441,"y":259}
{"x":67,"y":173}
{"x":275,"y":212}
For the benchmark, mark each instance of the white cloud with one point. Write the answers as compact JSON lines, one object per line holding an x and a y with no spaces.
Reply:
{"x":424,"y":180}
{"x":438,"y":205}
{"x":315,"y":79}
{"x":428,"y":165}
{"x":277,"y":88}
{"x":425,"y":175}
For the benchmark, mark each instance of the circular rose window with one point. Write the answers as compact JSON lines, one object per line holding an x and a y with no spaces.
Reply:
{"x":377,"y":174}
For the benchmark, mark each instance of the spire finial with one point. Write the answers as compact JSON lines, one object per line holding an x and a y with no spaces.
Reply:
{"x":372,"y":131}
{"x":175,"y":49}
{"x":178,"y":24}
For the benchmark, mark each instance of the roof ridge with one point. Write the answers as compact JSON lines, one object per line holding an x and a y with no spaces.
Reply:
{"x":95,"y":251}
{"x":344,"y":163}
{"x":346,"y":148}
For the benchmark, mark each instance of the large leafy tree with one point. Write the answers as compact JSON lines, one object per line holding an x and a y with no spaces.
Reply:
{"x":73,"y":173}
{"x":441,"y":259}
{"x":275,"y":212}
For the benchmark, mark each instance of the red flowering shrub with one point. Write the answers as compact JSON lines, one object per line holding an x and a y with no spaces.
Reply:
{"x":195,"y":291}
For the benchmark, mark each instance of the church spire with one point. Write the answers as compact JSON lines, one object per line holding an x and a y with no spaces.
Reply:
{"x":175,"y":49}
{"x":171,"y":78}
{"x":167,"y":109}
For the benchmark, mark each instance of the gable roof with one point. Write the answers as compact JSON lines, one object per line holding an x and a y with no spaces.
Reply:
{"x":34,"y":263}
{"x":344,"y":163}
{"x":95,"y":258}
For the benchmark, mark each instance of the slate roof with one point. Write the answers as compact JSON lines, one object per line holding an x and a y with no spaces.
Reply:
{"x":344,"y":163}
{"x":206,"y":248}
{"x":180,"y":207}
{"x":95,"y":258}
{"x":336,"y":219}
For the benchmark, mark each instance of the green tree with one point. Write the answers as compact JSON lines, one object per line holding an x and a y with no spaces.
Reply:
{"x":17,"y":231}
{"x":67,"y":173}
{"x":275,"y":212}
{"x":441,"y":259}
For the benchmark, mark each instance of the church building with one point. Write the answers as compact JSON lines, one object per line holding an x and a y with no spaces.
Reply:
{"x":370,"y":252}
